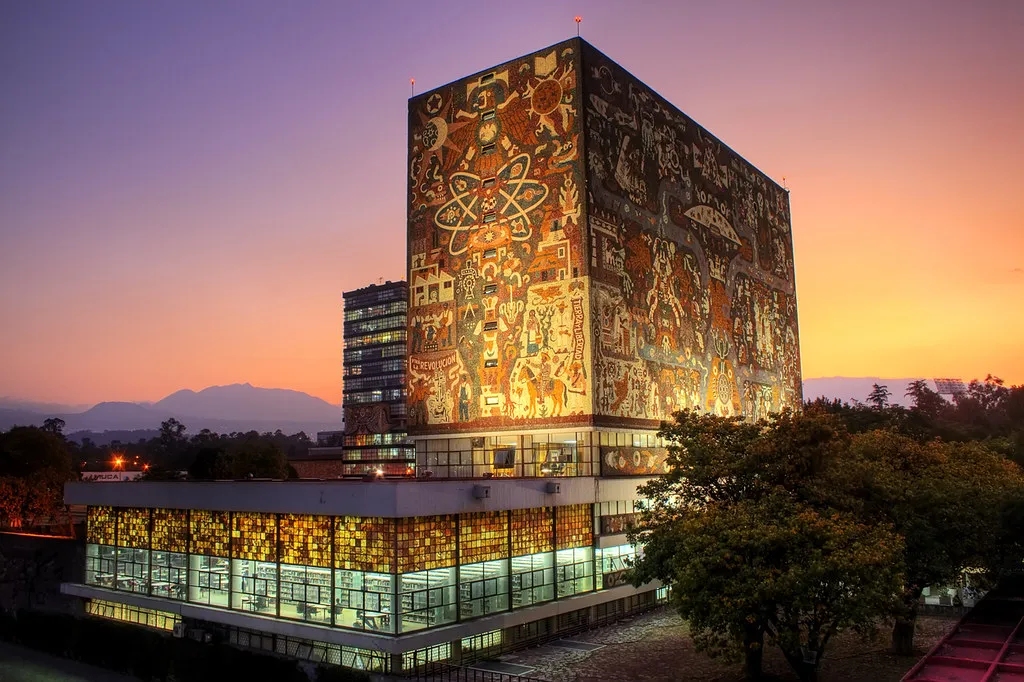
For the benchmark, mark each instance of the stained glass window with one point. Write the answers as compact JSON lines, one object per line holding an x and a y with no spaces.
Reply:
{"x":210,"y":533}
{"x":575,"y":527}
{"x":531,"y":531}
{"x":426,"y":542}
{"x":100,"y":526}
{"x":254,"y":536}
{"x":306,"y":540}
{"x":483,"y":536}
{"x":170,"y":530}
{"x":133,"y":528}
{"x":364,"y":544}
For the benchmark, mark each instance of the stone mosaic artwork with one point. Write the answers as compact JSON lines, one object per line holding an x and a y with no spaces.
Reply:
{"x":498,"y":315}
{"x":581,"y":252}
{"x":691,"y":266}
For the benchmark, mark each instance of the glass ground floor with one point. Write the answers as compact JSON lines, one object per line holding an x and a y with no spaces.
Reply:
{"x":383,"y":575}
{"x":460,"y":651}
{"x":360,"y":600}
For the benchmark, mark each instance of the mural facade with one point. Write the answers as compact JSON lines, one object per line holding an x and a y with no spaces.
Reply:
{"x":582,"y":253}
{"x":499,"y":303}
{"x":692,"y":282}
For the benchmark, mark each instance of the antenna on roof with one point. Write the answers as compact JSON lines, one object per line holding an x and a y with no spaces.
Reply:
{"x":578,"y":20}
{"x":412,"y":87}
{"x":784,"y":185}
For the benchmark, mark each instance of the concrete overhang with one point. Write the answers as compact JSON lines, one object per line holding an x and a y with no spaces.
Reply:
{"x":394,"y":499}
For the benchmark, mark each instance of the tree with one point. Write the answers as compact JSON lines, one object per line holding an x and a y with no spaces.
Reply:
{"x":54,"y":425}
{"x":257,"y":457}
{"x":743,"y":529}
{"x":879,"y":396}
{"x":947,"y":500}
{"x":210,"y":464}
{"x":34,"y":465}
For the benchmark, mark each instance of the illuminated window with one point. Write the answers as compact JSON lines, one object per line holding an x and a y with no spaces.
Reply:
{"x":491,"y":400}
{"x":491,"y":363}
{"x":490,"y":326}
{"x":490,"y":217}
{"x":490,"y":253}
{"x":488,"y":148}
{"x":488,"y":115}
{"x":425,"y":542}
{"x":490,"y":289}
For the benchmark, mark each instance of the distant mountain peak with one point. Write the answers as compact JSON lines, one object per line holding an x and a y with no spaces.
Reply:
{"x":234,"y":407}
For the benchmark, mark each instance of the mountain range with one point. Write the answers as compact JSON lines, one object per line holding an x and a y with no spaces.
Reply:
{"x":237,"y":407}
{"x":243,"y":407}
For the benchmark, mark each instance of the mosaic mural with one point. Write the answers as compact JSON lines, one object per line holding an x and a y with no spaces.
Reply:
{"x":653,"y":275}
{"x":691,"y":264}
{"x":632,"y":461}
{"x":499,"y":306}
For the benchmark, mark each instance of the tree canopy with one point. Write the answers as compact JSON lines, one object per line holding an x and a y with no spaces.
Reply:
{"x":787,"y":530}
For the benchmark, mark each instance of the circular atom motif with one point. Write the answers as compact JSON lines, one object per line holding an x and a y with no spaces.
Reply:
{"x":724,"y":388}
{"x":435,"y":132}
{"x":547,"y":97}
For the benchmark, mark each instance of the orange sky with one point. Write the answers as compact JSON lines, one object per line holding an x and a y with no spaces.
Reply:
{"x":188,"y":189}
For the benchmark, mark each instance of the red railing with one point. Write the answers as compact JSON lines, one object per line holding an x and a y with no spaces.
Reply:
{"x":987,"y":645}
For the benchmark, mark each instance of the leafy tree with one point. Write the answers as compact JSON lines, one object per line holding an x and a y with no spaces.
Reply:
{"x":34,"y":465}
{"x":255,"y":457}
{"x":743,"y":529}
{"x":210,"y":464}
{"x":879,"y":396}
{"x":947,"y":501}
{"x":54,"y":425}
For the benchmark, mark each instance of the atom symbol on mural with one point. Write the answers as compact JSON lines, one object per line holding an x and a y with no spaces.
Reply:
{"x":509,"y":200}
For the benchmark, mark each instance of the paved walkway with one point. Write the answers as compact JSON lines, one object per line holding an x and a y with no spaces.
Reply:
{"x":18,"y":664}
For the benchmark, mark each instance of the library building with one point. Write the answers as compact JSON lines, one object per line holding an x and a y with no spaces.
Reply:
{"x":561,"y":306}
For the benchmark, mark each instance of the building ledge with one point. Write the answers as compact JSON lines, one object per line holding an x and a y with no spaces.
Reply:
{"x":388,"y":498}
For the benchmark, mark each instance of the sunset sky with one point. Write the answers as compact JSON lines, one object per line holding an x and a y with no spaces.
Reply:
{"x":186,"y":188}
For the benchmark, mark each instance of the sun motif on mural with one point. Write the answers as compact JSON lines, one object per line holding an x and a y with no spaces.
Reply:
{"x":550,"y":97}
{"x":500,"y":204}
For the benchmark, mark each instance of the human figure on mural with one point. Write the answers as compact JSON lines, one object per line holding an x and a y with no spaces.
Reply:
{"x":532,"y":333}
{"x":464,"y":399}
{"x":444,"y":326}
{"x":417,"y":336}
{"x":543,"y":377}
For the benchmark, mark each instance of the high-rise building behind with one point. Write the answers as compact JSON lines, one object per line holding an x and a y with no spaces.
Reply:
{"x":373,"y":398}
{"x":584,"y":260}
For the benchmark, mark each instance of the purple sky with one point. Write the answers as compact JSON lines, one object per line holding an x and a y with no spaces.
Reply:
{"x":187,"y":187}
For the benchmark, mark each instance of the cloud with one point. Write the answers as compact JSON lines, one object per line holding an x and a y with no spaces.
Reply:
{"x":1017,"y":271}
